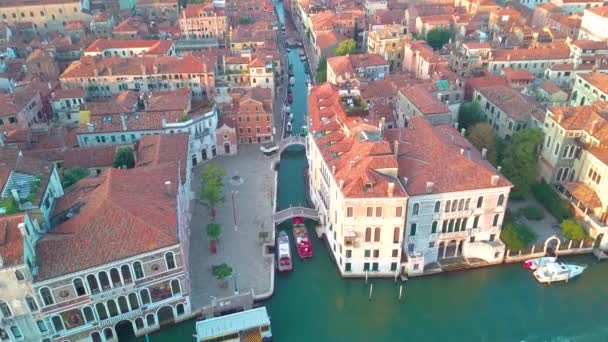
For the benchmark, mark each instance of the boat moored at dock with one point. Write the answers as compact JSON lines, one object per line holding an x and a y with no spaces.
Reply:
{"x":558,"y":271}
{"x":283,"y":253}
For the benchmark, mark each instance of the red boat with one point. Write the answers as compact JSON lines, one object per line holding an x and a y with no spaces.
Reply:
{"x":300,"y":234}
{"x":289,"y":98}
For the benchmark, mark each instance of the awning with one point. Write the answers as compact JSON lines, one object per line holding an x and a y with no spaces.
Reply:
{"x":584,"y":193}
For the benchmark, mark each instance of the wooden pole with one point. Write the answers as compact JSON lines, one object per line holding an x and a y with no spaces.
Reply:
{"x":365,"y":277}
{"x":371,"y":290}
{"x":400,"y":292}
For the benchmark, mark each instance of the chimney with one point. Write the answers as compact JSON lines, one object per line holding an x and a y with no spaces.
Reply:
{"x":109,"y":71}
{"x":429,"y":187}
{"x":168,"y":188}
{"x":484,"y":152}
{"x":593,"y":127}
{"x":390,"y":189}
{"x":494,"y":180}
{"x":462,"y":151}
{"x":405,"y":180}
{"x":396,"y":147}
{"x":463,"y":131}
{"x":50,"y":85}
{"x":143,"y":69}
{"x":155,"y":68}
{"x":123,"y":121}
{"x":341,"y":184}
{"x":90,"y":128}
{"x":95,"y":72}
{"x":352,"y":164}
{"x":333,"y":170}
{"x":456,"y":125}
{"x":498,"y":168}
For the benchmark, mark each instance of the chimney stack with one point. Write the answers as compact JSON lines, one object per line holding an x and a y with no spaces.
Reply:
{"x":462,"y":151}
{"x":429,"y":187}
{"x":341,"y":184}
{"x":494,"y":180}
{"x":498,"y":168}
{"x":462,"y":131}
{"x":352,"y":164}
{"x":333,"y":169}
{"x":168,"y":188}
{"x":405,"y":180}
{"x":456,"y":125}
{"x":396,"y":147}
{"x":484,"y":152}
{"x":593,"y":126}
{"x":391,"y":189}
{"x":123,"y":121}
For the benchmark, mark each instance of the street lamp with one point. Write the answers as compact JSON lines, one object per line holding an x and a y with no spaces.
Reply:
{"x":234,"y":192}
{"x":236,"y":289}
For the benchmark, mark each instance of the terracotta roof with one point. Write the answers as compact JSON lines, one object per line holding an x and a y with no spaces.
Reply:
{"x":12,"y":161}
{"x":11,"y":240}
{"x":518,"y":75}
{"x":591,"y":119}
{"x":68,"y":93}
{"x":424,"y":101}
{"x":89,"y":157}
{"x":550,"y":87}
{"x":327,"y":39}
{"x":512,"y":102}
{"x":119,"y":214}
{"x":597,"y":79}
{"x":584,"y":193}
{"x":560,"y":51}
{"x":602,"y":11}
{"x":164,"y":148}
{"x":154,"y":47}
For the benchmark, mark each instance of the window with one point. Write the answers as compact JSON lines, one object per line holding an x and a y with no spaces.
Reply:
{"x":412,"y":229}
{"x":444,"y":227}
{"x":139,"y":323}
{"x":115,"y":276}
{"x":370,"y":212}
{"x":476,"y":222}
{"x":138,"y":270}
{"x":467,"y":204}
{"x":16,"y":332}
{"x":416,"y":209}
{"x":447,"y":206}
{"x":79,"y":287}
{"x":460,"y":204}
{"x":96,"y":336}
{"x":501,"y":200}
{"x":108,"y":333}
{"x":349,"y":212}
{"x":145,"y":296}
{"x":376,"y":253}
{"x":122,"y":304}
{"x":87,"y":312}
{"x":366,"y":266}
{"x":47,"y":297}
{"x":101,"y":311}
{"x":495,"y":221}
{"x":451,"y":226}
{"x":150,"y":320}
{"x":434,"y":227}
{"x":349,"y":253}
{"x":31,"y":303}
{"x":41,"y":326}
{"x":133,"y":302}
{"x":464,"y":224}
{"x":19,"y":275}
{"x":112,"y":308}
{"x":437,"y":206}
{"x":393,"y":266}
{"x":398,"y":211}
{"x":377,"y":234}
{"x":367,"y":253}
{"x":5,"y":310}
{"x":454,"y":205}
{"x":556,"y":152}
{"x":480,"y":202}
{"x":375,"y":267}
{"x":125,"y":270}
{"x":104,"y":281}
{"x":368,"y":234}
{"x":347,"y":267}
{"x":93,"y":286}
{"x":170,"y":259}
{"x":457,"y":226}
{"x":57,"y":323}
{"x":175,"y":288}
{"x":378,"y":211}
{"x":396,"y":235}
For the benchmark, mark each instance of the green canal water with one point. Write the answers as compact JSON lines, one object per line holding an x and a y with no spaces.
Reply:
{"x":500,"y":303}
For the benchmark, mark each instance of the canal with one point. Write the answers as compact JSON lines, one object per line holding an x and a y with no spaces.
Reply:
{"x":500,"y":303}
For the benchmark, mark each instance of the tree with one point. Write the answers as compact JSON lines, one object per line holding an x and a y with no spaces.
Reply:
{"x":214,"y":231}
{"x":346,"y":47}
{"x":520,"y":160}
{"x":321,"y":74}
{"x":124,"y":158}
{"x":573,"y":230}
{"x":212,"y":190}
{"x":482,"y":135}
{"x":439,"y":36}
{"x":73,"y":175}
{"x":222,"y":271}
{"x":517,"y":236}
{"x":548,"y":197}
{"x":469,"y":114}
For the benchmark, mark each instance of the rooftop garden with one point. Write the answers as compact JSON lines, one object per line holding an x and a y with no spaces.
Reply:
{"x":354,"y":105}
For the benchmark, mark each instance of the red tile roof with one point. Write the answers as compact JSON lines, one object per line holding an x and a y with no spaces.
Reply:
{"x":559,"y":51}
{"x":154,"y":47}
{"x":592,"y":119}
{"x":424,"y":101}
{"x":513,"y":103}
{"x":597,"y":79}
{"x":11,"y":240}
{"x":164,"y":148}
{"x":89,"y":157}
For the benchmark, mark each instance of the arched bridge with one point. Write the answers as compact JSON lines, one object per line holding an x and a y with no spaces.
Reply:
{"x":291,"y":212}
{"x":291,"y":141}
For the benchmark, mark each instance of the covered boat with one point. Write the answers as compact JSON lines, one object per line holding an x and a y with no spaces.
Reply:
{"x":537,"y":263}
{"x":558,"y":271}
{"x":303,"y":244}
{"x":289,"y":98}
{"x":283,"y":252}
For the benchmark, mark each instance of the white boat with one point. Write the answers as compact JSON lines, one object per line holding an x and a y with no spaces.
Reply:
{"x":558,"y":271}
{"x":303,"y":58}
{"x":288,"y":127}
{"x":537,"y":263}
{"x":283,"y":253}
{"x":290,"y":117}
{"x":292,"y":80}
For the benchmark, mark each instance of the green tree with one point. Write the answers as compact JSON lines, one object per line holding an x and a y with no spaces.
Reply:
{"x":346,"y":47}
{"x":214,"y":231}
{"x":469,"y":114}
{"x":517,"y":236}
{"x":573,"y":230}
{"x":73,"y":175}
{"x":321,"y":74}
{"x":439,"y":36}
{"x":212,"y":189}
{"x":482,"y":135}
{"x":222,"y":271}
{"x":548,"y":197}
{"x":520,"y":161}
{"x":124,"y":158}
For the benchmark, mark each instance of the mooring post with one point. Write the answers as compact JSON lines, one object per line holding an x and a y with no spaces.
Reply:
{"x":371,"y":290}
{"x":365,"y":277}
{"x":400,"y":292}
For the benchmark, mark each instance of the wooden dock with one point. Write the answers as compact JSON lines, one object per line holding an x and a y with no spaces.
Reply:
{"x":599,"y":254}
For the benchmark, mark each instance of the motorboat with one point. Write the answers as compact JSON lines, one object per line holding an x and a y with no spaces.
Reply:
{"x":303,"y":58}
{"x":283,"y":252}
{"x":288,"y":127}
{"x":537,"y":263}
{"x":290,"y":117}
{"x":292,"y":80}
{"x":300,"y":233}
{"x":269,"y":149}
{"x":558,"y":271}
{"x":289,"y":98}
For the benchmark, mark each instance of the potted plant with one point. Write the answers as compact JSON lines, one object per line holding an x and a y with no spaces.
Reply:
{"x":214,"y":231}
{"x":222,"y":272}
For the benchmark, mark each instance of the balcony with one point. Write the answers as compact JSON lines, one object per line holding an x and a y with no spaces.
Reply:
{"x":202,"y":134}
{"x":113,"y":292}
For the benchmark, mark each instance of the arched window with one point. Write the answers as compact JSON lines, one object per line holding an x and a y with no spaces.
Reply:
{"x":104,"y":281}
{"x":416,"y":209}
{"x":368,"y":234}
{"x":57,"y":323}
{"x":412,"y":229}
{"x":112,"y":308}
{"x":480,"y":202}
{"x":122,"y":304}
{"x":444,"y":227}
{"x":447,"y":206}
{"x":180,"y":309}
{"x":175,"y":288}
{"x":93,"y":285}
{"x":87,"y":312}
{"x":495,"y":221}
{"x":377,"y":234}
{"x":138,"y":270}
{"x":464,"y":224}
{"x":150,"y":320}
{"x":5,"y":310}
{"x":457,"y":227}
{"x":467,"y":204}
{"x":145,"y":296}
{"x":108,"y":333}
{"x":125,"y":270}
{"x":31,"y":303}
{"x":454,"y":205}
{"x":501,"y":200}
{"x":461,"y":205}
{"x":19,"y":275}
{"x":79,"y":287}
{"x":96,"y":337}
{"x":115,"y":276}
{"x":170,"y":260}
{"x":437,"y":206}
{"x":133,"y":302}
{"x":434,"y":227}
{"x":139,"y":323}
{"x":47,"y":297}
{"x":102,"y":313}
{"x":396,"y":235}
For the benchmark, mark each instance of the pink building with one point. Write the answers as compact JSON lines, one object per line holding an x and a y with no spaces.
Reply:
{"x":203,"y":21}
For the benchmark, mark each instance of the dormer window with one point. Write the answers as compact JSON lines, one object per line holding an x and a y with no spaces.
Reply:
{"x":368,"y":185}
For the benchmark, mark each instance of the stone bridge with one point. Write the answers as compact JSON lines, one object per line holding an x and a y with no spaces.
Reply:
{"x":291,"y":141}
{"x":291,"y":212}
